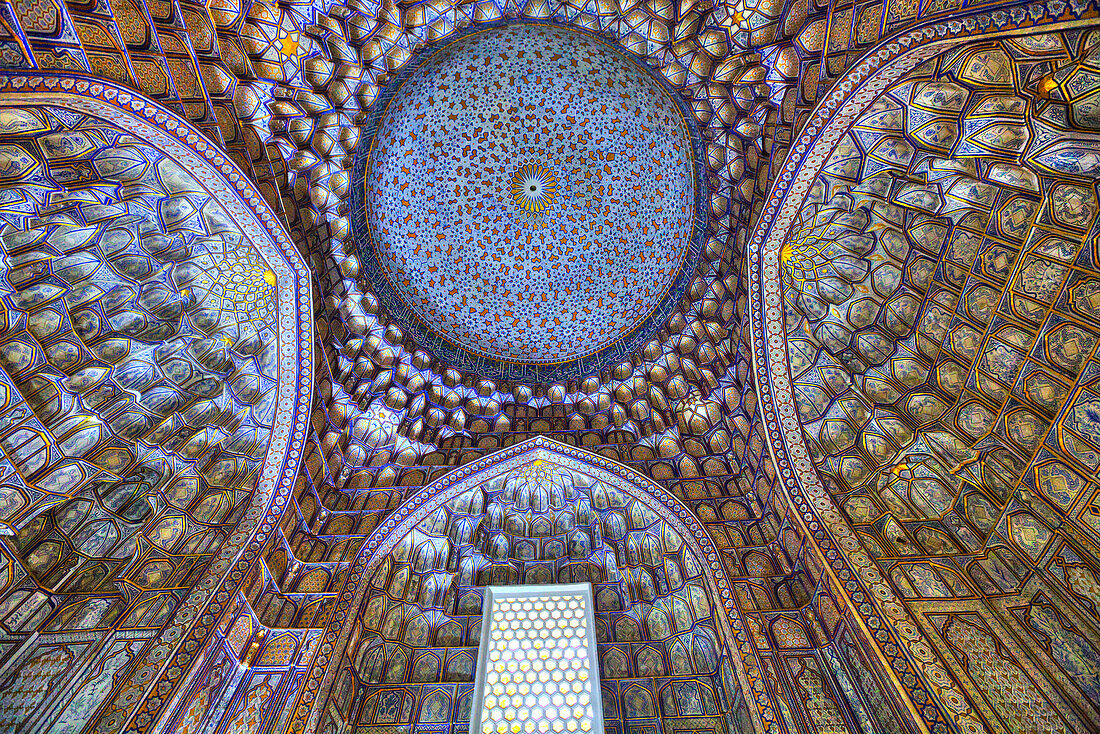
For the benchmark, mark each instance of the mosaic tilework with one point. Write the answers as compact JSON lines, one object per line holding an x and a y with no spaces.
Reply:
{"x":553,"y":208}
{"x":591,"y":254}
{"x":1001,"y":582}
{"x":545,"y":514}
{"x":929,"y":352}
{"x":140,"y":266}
{"x":161,"y":343}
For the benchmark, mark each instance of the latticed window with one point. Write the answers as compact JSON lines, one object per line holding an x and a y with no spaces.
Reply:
{"x":536,"y":668}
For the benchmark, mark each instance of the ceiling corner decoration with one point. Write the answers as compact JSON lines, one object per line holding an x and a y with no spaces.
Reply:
{"x":157,"y":348}
{"x":533,"y":203}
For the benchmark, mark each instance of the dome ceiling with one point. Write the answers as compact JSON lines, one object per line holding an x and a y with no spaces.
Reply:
{"x":867,"y":427}
{"x":550,"y":220}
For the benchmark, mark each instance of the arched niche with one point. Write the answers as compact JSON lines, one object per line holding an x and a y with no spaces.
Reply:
{"x":155,"y":355}
{"x":538,"y":512}
{"x":802,"y":221}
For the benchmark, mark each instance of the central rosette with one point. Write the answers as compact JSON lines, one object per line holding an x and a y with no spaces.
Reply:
{"x":529,"y":197}
{"x":533,"y":188}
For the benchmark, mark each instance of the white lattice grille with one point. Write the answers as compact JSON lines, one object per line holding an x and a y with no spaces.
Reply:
{"x":537,"y":669}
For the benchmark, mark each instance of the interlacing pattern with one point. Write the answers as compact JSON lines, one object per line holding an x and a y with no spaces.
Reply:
{"x":827,"y":447}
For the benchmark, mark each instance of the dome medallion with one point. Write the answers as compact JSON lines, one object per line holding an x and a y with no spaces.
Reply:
{"x":528,"y":206}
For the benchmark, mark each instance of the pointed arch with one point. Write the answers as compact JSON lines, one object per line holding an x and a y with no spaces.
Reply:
{"x":128,"y":121}
{"x":647,"y":500}
{"x":853,"y":94}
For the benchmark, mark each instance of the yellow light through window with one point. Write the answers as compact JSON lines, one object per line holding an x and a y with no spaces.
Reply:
{"x":536,"y":669}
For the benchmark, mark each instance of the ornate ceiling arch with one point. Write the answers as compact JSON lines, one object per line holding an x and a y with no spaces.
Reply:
{"x":897,"y":478}
{"x":463,"y":480}
{"x":813,"y":255}
{"x":195,"y":254}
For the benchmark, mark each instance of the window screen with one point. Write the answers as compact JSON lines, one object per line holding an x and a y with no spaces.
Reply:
{"x":536,"y":668}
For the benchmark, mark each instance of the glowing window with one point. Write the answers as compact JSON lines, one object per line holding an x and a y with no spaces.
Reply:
{"x":536,"y":665}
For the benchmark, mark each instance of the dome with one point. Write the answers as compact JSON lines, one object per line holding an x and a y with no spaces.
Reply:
{"x":528,"y":202}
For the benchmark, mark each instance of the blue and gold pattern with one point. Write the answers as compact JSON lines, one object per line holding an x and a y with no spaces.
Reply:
{"x":615,"y":214}
{"x":617,"y":211}
{"x":842,"y":478}
{"x":533,"y":188}
{"x":543,"y":513}
{"x":152,"y":317}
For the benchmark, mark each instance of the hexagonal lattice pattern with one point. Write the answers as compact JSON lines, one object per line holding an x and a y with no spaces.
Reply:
{"x":537,"y":668}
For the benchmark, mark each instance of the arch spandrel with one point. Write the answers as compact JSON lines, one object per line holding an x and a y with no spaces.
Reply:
{"x":399,"y":536}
